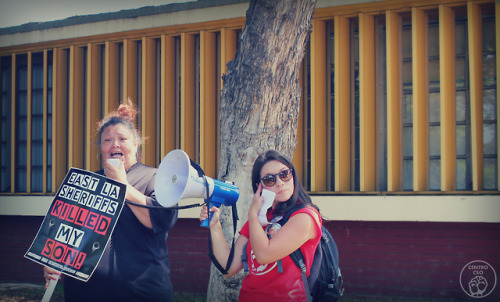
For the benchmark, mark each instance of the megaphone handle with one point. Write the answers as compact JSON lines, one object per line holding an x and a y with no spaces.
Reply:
{"x":206,"y":223}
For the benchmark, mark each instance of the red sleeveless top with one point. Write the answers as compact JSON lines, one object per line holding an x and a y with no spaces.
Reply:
{"x":265,"y":283}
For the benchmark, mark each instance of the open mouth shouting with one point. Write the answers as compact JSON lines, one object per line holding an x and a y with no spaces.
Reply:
{"x":118,"y":155}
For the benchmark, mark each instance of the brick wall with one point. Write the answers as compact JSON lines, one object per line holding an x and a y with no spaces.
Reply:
{"x":188,"y":254}
{"x":16,"y":235}
{"x":413,"y":259}
{"x":399,"y":259}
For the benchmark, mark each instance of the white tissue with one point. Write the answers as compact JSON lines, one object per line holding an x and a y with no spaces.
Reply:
{"x":266,"y":204}
{"x":115,"y":162}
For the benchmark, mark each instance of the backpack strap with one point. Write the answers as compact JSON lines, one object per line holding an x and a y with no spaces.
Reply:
{"x":298,"y":259}
{"x":290,"y":212}
{"x":244,"y":258}
{"x":297,"y":256}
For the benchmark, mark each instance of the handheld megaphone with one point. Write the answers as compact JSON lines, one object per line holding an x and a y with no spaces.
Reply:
{"x":176,"y":179}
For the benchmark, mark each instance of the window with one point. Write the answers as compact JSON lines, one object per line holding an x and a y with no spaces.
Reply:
{"x":37,"y":126}
{"x":464,"y":175}
{"x":407,"y":103}
{"x":426,"y":174}
{"x":5,"y":124}
{"x":490,"y":152}
{"x":21,"y":116}
{"x":49,"y":161}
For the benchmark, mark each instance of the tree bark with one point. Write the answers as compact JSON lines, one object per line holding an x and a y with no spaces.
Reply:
{"x":260,"y":104}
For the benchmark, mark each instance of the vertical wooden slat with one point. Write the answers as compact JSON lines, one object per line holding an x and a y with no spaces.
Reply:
{"x":330,"y":112}
{"x":55,"y":67}
{"x":60,"y":117}
{"x":367,"y":102}
{"x":76,"y":107}
{"x":188,"y":95}
{"x":71,"y":110}
{"x":93,"y":106}
{"x":229,"y":45}
{"x":168,"y":114}
{"x":111,"y":74}
{"x":107,"y":67}
{"x":208,"y":104}
{"x":299,"y":154}
{"x":420,"y":100}
{"x":45,"y":120}
{"x":342,"y":105}
{"x":130,"y":71}
{"x":394,"y":97}
{"x":28,"y":120}
{"x":13,"y":125}
{"x":448,"y":98}
{"x":319,"y":177}
{"x":148,"y":109}
{"x":476,"y":92}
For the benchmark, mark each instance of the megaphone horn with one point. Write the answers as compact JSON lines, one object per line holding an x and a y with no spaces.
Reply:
{"x":176,"y":179}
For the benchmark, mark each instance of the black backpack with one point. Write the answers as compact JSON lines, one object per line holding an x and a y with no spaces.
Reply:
{"x":325,"y":280}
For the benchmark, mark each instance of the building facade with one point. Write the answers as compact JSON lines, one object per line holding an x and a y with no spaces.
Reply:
{"x":397,"y":143}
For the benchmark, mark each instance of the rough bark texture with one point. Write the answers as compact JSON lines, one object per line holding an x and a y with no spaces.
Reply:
{"x":259,"y":105}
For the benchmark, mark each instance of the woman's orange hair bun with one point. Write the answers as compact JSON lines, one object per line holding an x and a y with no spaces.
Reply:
{"x":126,"y":111}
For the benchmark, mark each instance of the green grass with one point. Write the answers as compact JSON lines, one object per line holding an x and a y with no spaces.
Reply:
{"x":32,"y":294}
{"x":28,"y":294}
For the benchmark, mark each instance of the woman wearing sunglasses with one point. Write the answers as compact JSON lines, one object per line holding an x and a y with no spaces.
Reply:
{"x":272,"y":274}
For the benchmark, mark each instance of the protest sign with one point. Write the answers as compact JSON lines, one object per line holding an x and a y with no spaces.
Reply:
{"x":78,"y":224}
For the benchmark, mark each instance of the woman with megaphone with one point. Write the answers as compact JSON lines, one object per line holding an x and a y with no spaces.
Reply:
{"x":266,"y":245}
{"x":134,"y":265}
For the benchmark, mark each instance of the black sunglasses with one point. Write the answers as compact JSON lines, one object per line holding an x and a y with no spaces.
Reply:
{"x":270,"y":180}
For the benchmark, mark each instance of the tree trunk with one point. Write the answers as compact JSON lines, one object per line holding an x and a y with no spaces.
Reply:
{"x":259,"y":105}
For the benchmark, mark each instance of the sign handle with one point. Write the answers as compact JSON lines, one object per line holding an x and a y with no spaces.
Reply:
{"x":50,"y":289}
